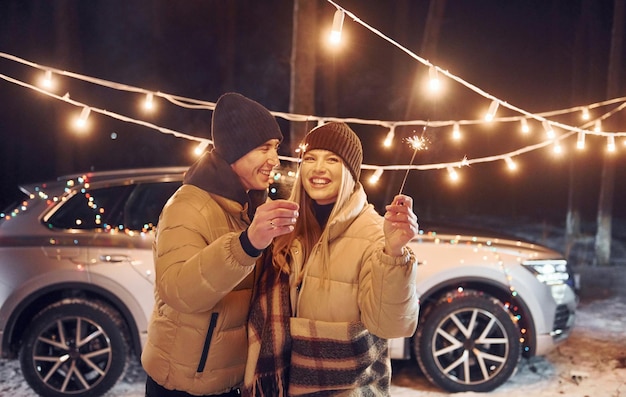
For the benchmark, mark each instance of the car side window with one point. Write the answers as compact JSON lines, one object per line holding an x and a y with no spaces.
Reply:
{"x":92,"y":209}
{"x":145,"y":203}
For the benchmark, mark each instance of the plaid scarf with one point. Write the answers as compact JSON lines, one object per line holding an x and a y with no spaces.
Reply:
{"x":269,"y":340}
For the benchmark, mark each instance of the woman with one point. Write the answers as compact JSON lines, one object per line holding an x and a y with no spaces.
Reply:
{"x":332,"y":292}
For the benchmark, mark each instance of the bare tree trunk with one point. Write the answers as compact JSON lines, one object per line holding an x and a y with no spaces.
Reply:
{"x":303,"y":63}
{"x":605,"y":204}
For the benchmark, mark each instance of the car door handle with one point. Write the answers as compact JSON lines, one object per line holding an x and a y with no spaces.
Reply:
{"x":114,"y":258}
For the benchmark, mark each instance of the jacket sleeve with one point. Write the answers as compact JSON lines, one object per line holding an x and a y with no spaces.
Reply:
{"x":198,"y":259}
{"x":387,"y":295}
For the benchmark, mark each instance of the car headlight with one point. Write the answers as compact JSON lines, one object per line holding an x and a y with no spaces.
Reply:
{"x":549,"y":271}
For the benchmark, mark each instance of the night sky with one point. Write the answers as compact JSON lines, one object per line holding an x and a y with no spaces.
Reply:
{"x":538,"y":55}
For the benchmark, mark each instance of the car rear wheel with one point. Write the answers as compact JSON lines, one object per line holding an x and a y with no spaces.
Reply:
{"x":74,"y":348}
{"x":468,"y":342}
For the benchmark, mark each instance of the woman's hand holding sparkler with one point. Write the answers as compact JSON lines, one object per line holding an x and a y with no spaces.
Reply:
{"x":400,"y":225}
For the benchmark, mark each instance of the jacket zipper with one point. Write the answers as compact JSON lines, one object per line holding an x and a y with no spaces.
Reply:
{"x":207,"y":342}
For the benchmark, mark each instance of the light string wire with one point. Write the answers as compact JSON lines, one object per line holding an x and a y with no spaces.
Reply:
{"x":459,"y":80}
{"x":201,"y":104}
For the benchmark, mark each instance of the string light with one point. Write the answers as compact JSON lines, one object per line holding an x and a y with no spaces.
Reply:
{"x":525,"y":126}
{"x":585,"y":113}
{"x":434,"y":84}
{"x":452,"y":174}
{"x":389,"y":138}
{"x":376,"y":176}
{"x":610,"y":143}
{"x":548,"y":128}
{"x":81,"y":121}
{"x":557,"y":149}
{"x":493,"y":108}
{"x":46,"y":81}
{"x":335,"y":34}
{"x":510,"y":163}
{"x":456,"y":132}
{"x":201,"y":148}
{"x":149,"y":102}
{"x":580,"y":142}
{"x":597,"y":126}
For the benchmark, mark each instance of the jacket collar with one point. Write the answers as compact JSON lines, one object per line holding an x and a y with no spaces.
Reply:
{"x":214,"y":175}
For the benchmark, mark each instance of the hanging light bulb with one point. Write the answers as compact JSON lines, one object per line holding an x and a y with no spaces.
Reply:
{"x":389,"y":137}
{"x":149,"y":102}
{"x":493,"y":108}
{"x":46,"y":81}
{"x":335,"y":33}
{"x":434,"y":84}
{"x":454,"y":176}
{"x":525,"y":126}
{"x":548,"y":128}
{"x":585,"y":113}
{"x":81,"y":121}
{"x":610,"y":143}
{"x":557,"y":147}
{"x":456,"y":132}
{"x":580,"y":143}
{"x":201,"y":148}
{"x":597,"y":126}
{"x":510,"y":163}
{"x":376,"y":176}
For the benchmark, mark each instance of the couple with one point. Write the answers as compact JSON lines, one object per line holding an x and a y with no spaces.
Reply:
{"x":285,"y":297}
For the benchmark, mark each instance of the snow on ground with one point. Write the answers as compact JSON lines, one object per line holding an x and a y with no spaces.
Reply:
{"x":591,"y":363}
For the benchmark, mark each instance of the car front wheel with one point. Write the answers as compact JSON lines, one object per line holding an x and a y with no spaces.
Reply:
{"x":468,"y":342}
{"x":74,"y":348}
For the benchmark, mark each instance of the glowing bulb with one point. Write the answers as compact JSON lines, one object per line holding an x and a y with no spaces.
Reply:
{"x":557,"y":147}
{"x":493,"y":108}
{"x":585,"y":113}
{"x":454,"y":176}
{"x":525,"y":127}
{"x":201,"y":148}
{"x":610,"y":143}
{"x":81,"y":121}
{"x":46,"y":80}
{"x":149,"y":102}
{"x":335,"y":34}
{"x":597,"y":126}
{"x":456,"y":132}
{"x":389,"y":137}
{"x":580,"y":143}
{"x":548,"y":128}
{"x":510,"y":163}
{"x":376,"y":176}
{"x":434,"y":84}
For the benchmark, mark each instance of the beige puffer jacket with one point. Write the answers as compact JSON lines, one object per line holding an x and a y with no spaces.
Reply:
{"x":197,"y":335}
{"x":364,"y":284}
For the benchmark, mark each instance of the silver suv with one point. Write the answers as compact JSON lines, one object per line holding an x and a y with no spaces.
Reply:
{"x":76,"y":289}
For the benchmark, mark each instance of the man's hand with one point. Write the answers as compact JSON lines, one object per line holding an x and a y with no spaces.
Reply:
{"x":270,"y":220}
{"x":400,"y":224}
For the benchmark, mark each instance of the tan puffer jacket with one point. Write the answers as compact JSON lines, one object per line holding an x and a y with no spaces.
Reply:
{"x":197,"y":335}
{"x":364,"y":284}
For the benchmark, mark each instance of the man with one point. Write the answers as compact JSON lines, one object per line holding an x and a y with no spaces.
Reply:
{"x":210,"y":233}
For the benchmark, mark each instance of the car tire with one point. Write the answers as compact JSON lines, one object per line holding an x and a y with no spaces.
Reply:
{"x":468,"y":342}
{"x":74,"y":347}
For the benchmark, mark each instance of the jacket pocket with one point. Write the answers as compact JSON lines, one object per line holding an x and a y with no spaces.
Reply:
{"x":207,"y":342}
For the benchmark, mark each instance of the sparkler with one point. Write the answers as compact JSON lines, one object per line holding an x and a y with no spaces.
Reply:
{"x":417,"y":143}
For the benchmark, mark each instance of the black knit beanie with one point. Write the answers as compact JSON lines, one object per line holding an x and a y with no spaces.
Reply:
{"x":338,"y":138}
{"x":239,"y":125}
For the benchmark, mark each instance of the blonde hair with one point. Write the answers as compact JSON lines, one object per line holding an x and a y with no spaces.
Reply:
{"x":307,"y":229}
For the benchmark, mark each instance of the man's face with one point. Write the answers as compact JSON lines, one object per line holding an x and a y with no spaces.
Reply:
{"x":321,"y":175}
{"x":255,"y":167}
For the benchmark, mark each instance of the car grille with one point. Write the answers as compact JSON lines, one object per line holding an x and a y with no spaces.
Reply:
{"x":561,"y":320}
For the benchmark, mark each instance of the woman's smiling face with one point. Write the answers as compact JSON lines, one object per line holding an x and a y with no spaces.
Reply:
{"x":321,"y":175}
